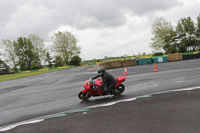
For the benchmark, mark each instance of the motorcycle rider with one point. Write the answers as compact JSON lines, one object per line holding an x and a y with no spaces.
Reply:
{"x":108,"y":79}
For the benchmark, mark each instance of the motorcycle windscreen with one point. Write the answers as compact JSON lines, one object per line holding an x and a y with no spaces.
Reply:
{"x":98,"y":82}
{"x":86,"y":86}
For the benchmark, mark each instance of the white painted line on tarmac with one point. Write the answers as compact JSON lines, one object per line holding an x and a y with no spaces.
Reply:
{"x":6,"y":128}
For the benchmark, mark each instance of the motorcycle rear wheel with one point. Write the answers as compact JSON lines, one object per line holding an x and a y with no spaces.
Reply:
{"x":119,"y":90}
{"x":84,"y":96}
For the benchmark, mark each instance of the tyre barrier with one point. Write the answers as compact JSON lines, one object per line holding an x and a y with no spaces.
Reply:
{"x":53,"y":68}
{"x":146,"y":61}
{"x":36,"y":70}
{"x":187,"y":53}
{"x":91,"y":63}
{"x":191,"y":56}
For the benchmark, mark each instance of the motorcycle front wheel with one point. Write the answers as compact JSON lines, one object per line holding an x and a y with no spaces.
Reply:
{"x":84,"y":96}
{"x":119,"y":90}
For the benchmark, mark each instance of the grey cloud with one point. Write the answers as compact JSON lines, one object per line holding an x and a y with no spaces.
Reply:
{"x":22,"y":17}
{"x":110,"y":12}
{"x":140,"y":7}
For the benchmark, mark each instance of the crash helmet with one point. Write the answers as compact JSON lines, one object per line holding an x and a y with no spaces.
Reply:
{"x":101,"y":71}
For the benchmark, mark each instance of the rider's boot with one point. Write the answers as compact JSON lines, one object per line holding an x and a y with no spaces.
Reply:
{"x":107,"y":91}
{"x":112,"y":91}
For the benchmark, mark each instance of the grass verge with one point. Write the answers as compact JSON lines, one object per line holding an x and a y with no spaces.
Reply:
{"x":26,"y":74}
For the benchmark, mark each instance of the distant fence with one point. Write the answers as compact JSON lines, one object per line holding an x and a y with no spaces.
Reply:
{"x":146,"y":61}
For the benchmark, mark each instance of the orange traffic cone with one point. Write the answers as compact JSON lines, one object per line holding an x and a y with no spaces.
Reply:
{"x":155,"y":68}
{"x":126,"y":73}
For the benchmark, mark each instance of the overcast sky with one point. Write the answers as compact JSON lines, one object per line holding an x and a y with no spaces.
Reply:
{"x":103,"y":27}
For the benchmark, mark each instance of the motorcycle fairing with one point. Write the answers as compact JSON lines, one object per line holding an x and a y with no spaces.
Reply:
{"x":87,"y":85}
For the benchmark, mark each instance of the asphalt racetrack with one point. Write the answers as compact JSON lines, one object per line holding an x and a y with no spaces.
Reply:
{"x":141,"y":108}
{"x":176,"y":112}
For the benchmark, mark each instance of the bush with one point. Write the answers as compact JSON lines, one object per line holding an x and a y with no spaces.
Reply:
{"x":4,"y":69}
{"x":76,"y":60}
{"x":158,"y":54}
{"x":58,"y":61}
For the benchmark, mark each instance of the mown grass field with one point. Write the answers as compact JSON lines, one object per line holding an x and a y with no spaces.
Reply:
{"x":40,"y":71}
{"x":27,"y":73}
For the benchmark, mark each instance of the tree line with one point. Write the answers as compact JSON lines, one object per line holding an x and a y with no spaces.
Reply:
{"x":183,"y":37}
{"x":29,"y":53}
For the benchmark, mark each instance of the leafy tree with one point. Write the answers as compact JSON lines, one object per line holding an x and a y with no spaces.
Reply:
{"x":39,"y":48}
{"x":164,"y":34}
{"x":49,"y":59}
{"x":170,"y":48}
{"x":76,"y":60}
{"x":64,"y":44}
{"x":58,"y":61}
{"x":9,"y":53}
{"x":25,"y":53}
{"x":197,"y":33}
{"x":36,"y":62}
{"x":1,"y":62}
{"x":186,"y":34}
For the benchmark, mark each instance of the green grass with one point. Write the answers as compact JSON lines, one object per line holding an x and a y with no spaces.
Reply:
{"x":146,"y":56}
{"x":26,"y":74}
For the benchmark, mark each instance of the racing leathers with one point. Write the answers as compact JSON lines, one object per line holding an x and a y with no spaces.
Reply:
{"x":108,"y":80}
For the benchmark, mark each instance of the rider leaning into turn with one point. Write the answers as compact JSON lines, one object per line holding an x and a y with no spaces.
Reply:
{"x":108,"y":79}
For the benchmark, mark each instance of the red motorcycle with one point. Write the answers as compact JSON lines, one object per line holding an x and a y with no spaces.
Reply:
{"x":90,"y":88}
